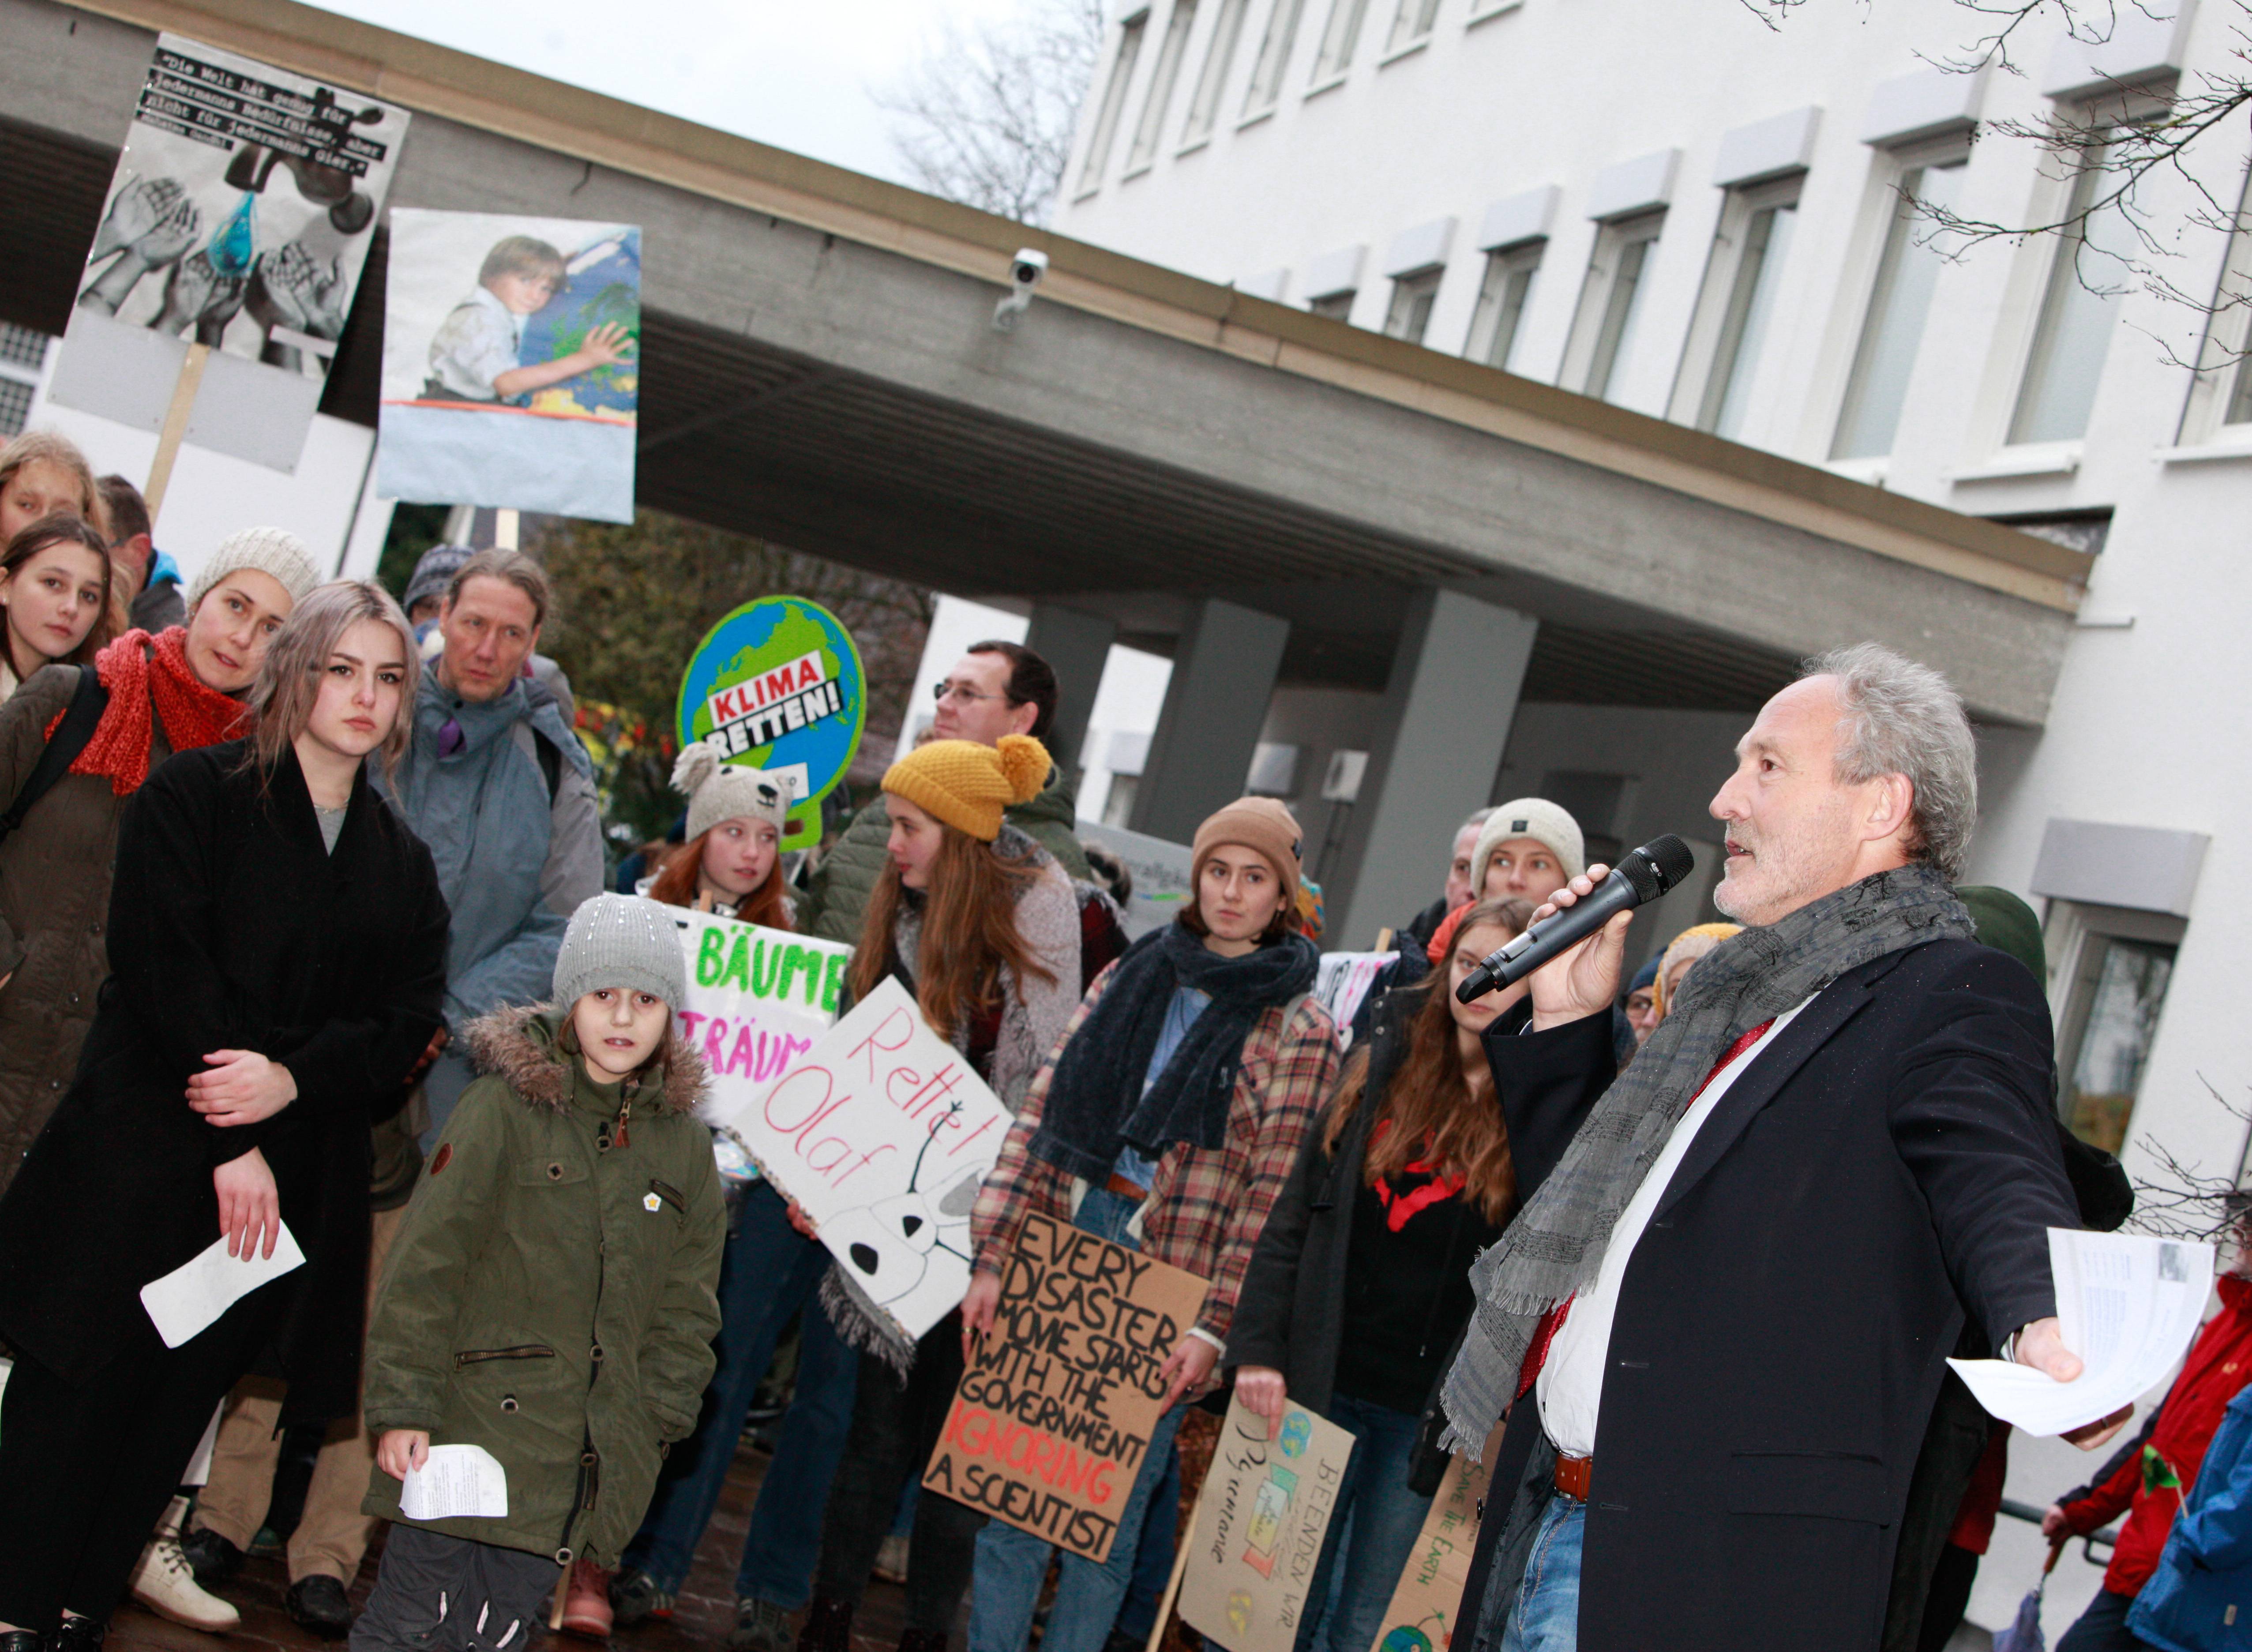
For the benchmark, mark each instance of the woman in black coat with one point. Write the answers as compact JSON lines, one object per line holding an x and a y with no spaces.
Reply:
{"x":277,"y":945}
{"x":1409,"y":1176}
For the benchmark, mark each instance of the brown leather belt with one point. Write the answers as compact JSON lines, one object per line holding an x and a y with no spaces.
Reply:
{"x":1573,"y":1474}
{"x":1125,"y":1190}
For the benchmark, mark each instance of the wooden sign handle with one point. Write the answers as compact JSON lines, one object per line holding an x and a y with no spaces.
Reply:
{"x":175,"y":428}
{"x":1180,"y":1570}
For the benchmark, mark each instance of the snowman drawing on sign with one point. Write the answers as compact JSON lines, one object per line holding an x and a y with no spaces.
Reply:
{"x":887,"y":1245}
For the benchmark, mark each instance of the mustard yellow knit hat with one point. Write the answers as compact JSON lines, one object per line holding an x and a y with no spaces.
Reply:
{"x":967,"y":785}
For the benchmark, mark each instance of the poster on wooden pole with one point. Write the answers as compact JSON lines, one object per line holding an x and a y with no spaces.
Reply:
{"x":1054,"y":1418}
{"x":1428,"y":1597}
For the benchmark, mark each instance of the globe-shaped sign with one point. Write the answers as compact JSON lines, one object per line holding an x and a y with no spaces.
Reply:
{"x":777,"y":685}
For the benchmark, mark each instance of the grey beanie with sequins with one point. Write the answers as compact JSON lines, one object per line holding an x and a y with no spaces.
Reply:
{"x":622,"y":940}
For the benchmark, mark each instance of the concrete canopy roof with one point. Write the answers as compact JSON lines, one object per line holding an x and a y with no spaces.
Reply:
{"x":820,"y":370}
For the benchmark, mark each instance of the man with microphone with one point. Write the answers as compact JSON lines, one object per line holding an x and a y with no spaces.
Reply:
{"x":1719,"y":1327}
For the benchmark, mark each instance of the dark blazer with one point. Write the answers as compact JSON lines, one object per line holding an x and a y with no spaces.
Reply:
{"x":1889,"y":1165}
{"x":230,"y":926}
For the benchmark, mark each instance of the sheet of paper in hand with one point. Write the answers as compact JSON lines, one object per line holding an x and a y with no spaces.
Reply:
{"x":1052,"y":1421}
{"x":758,"y":1001}
{"x":884,"y":1133}
{"x":1429,"y":1594}
{"x":455,"y":1482}
{"x":2127,"y":1304}
{"x":194,"y":1294}
{"x":1260,"y":1521}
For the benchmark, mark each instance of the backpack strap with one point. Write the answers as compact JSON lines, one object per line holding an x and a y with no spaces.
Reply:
{"x":551,"y":763}
{"x":88,"y":700}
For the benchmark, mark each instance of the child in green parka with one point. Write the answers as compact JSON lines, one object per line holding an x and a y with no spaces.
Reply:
{"x":551,"y":1297}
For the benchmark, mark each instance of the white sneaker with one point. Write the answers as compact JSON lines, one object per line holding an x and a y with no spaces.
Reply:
{"x":166,"y":1584}
{"x":892,"y":1557}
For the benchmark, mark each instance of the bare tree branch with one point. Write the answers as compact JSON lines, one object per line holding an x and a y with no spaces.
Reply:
{"x":2181,"y":1201}
{"x":986,"y":117}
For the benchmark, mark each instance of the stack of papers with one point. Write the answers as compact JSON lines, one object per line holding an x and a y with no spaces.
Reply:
{"x":195,"y":1294}
{"x":2127,"y":1305}
{"x":454,"y":1482}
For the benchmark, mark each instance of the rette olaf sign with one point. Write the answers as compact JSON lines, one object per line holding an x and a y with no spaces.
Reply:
{"x":777,"y":686}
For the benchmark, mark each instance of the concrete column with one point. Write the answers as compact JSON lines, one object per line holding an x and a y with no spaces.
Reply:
{"x":1447,"y":707}
{"x":1077,"y":645}
{"x":1201,"y":755}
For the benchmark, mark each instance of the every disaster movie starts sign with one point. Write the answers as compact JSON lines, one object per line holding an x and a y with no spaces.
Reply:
{"x":1052,"y":1418}
{"x":777,"y":685}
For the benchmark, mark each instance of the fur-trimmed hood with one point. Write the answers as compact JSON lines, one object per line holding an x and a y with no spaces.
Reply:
{"x":520,"y":1043}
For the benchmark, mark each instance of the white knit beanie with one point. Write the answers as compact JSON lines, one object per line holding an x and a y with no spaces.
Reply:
{"x":622,"y":940}
{"x":718,"y":790}
{"x":1533,"y":817}
{"x":270,"y":551}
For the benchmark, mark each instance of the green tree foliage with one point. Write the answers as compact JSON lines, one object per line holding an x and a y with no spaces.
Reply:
{"x":632,"y":602}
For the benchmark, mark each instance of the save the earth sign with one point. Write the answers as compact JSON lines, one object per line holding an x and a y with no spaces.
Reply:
{"x":777,"y":685}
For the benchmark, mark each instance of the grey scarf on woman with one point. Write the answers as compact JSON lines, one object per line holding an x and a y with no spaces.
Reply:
{"x":1555,"y":1245}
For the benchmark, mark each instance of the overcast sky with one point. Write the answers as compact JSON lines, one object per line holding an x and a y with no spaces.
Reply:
{"x":794,"y":75}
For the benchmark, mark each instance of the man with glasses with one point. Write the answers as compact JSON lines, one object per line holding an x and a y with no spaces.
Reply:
{"x":995,"y":689}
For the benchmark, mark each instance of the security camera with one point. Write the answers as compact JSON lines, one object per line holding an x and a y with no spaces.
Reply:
{"x":1027,"y":270}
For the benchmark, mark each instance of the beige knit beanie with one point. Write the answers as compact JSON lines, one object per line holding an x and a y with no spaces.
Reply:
{"x":1260,"y":824}
{"x":1533,"y":817}
{"x":718,"y":790}
{"x":270,"y":551}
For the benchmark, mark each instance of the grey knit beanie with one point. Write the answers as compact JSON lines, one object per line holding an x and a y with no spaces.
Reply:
{"x":622,"y":940}
{"x":433,"y":574}
{"x":719,"y":790}
{"x":270,"y":551}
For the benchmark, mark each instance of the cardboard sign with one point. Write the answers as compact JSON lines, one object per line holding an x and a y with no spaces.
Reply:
{"x":511,"y":363}
{"x":1429,"y":1594}
{"x":758,"y":1000}
{"x":777,"y":686}
{"x":1160,"y":869}
{"x":884,"y":1133}
{"x":238,"y":218}
{"x":1261,"y":1518}
{"x":1050,"y":1426}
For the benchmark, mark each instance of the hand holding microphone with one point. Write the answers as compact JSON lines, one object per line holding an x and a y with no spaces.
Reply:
{"x":1592,"y":903}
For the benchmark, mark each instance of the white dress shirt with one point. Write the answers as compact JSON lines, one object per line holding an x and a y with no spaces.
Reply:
{"x":1570,"y":1388}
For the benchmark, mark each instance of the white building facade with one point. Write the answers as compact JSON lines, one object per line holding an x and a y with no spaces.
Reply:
{"x":1673,"y":206}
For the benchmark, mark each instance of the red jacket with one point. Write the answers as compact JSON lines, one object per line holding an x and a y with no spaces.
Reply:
{"x":2151,"y":1482}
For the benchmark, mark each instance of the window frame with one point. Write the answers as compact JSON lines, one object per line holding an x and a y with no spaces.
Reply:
{"x":1712,"y":355}
{"x":1211,"y":89}
{"x":1502,"y":266}
{"x":1336,"y":306}
{"x":2062,"y":273}
{"x":1270,"y":70}
{"x":1414,"y":22}
{"x":1340,"y":41}
{"x":1125,"y":57}
{"x":2070,"y":930}
{"x":1407,"y":288}
{"x":1157,"y":96}
{"x":1602,"y":329}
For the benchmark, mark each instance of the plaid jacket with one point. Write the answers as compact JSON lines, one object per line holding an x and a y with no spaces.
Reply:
{"x":1207,"y":1206}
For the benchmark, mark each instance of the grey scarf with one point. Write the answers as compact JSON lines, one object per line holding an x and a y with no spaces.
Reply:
{"x":1555,"y":1245}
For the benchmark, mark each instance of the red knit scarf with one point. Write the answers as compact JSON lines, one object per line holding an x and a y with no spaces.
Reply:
{"x":145,"y":674}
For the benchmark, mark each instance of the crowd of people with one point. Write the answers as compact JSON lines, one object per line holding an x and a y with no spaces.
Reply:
{"x":304,"y":949}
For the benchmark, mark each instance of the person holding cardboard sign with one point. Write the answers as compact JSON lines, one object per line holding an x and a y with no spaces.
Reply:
{"x":983,"y":923}
{"x":1167,"y":1120}
{"x":1410,"y":1176}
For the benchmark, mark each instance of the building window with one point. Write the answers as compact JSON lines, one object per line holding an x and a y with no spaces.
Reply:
{"x":1336,"y":306}
{"x":1114,"y":101}
{"x":1219,"y":57}
{"x":1274,"y":57}
{"x":1611,"y":300}
{"x":1412,"y":22}
{"x":1170,"y":51}
{"x":1502,"y":298}
{"x":1338,"y":39}
{"x":23,"y":352}
{"x":1412,"y":297}
{"x":1907,"y":271}
{"x":2115,"y":966}
{"x":2092,"y":261}
{"x":1730,"y":327}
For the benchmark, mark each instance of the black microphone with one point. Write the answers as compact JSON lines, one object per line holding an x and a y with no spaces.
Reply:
{"x":1642,"y":875}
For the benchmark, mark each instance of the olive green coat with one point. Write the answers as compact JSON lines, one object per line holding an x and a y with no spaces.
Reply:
{"x":836,"y":893}
{"x":549,"y":1299}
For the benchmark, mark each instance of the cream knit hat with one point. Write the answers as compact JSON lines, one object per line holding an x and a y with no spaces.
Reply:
{"x":270,"y":551}
{"x":622,"y":940}
{"x":718,"y":790}
{"x":1533,"y":817}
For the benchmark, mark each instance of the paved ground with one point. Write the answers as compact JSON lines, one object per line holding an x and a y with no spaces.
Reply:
{"x":706,"y":1610}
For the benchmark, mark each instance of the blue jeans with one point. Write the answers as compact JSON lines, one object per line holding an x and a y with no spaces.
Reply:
{"x":1374,"y":1525}
{"x":1546,"y":1615}
{"x":1012,"y":1564}
{"x":768,"y":1271}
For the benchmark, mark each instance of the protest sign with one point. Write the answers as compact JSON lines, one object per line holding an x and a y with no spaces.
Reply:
{"x":758,"y":1000}
{"x":777,"y":685}
{"x":1160,"y":869}
{"x":1050,"y":1423}
{"x":1260,"y":1521}
{"x":1342,"y":984}
{"x":883,"y":1134}
{"x":511,"y":369}
{"x":238,"y":219}
{"x":1429,"y":1594}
